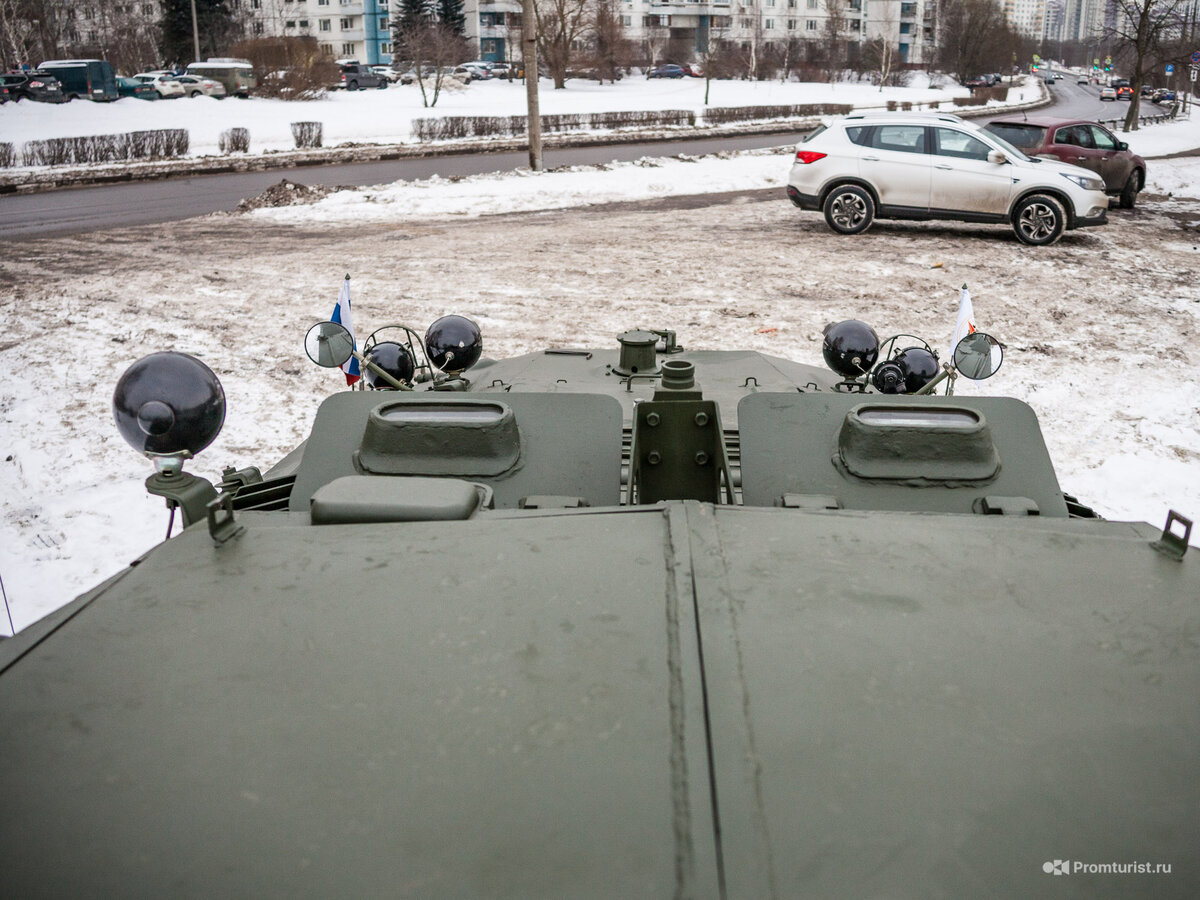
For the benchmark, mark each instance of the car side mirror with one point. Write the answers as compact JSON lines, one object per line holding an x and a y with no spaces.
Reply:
{"x":1122,"y":146}
{"x":997,"y":156}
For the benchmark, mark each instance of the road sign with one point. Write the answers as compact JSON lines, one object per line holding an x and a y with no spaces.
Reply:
{"x":1196,"y":56}
{"x":1194,"y":71}
{"x":1170,"y":69}
{"x":1095,"y":61}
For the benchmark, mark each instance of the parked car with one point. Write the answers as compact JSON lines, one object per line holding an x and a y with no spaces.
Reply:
{"x":387,"y":72}
{"x":1108,"y":93}
{"x":1146,"y":91}
{"x":356,"y":77}
{"x":131,"y":87}
{"x":1162,"y":95}
{"x":410,"y":76}
{"x":165,"y":84}
{"x":237,"y":76}
{"x":670,"y":70}
{"x":4,"y":98}
{"x":33,"y":86}
{"x":89,"y":79}
{"x":195,"y":85}
{"x":1079,"y":143}
{"x":470,"y":73}
{"x":693,"y":71}
{"x":1125,"y":92}
{"x":858,"y":168}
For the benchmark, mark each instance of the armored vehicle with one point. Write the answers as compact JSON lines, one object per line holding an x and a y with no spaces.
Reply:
{"x":636,"y":621}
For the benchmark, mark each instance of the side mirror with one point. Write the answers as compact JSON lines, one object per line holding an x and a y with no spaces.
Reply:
{"x":328,"y":344}
{"x":1122,"y":146}
{"x":978,"y":356}
{"x":997,"y":156}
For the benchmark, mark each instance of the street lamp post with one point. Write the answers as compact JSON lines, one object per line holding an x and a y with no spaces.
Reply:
{"x":195,"y":34}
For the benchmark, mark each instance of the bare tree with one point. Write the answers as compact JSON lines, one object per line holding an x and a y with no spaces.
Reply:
{"x":715,"y":52}
{"x":657,"y":38}
{"x":881,"y":52}
{"x":31,"y":30}
{"x":1142,"y":30}
{"x":834,"y":51}
{"x":434,"y":49}
{"x":560,"y":24}
{"x":610,"y":52}
{"x":974,"y":38}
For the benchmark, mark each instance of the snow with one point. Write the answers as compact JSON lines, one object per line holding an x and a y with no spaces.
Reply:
{"x":385,"y":116}
{"x":1101,"y":328}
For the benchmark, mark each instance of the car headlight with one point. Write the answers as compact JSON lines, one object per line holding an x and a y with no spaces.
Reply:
{"x":1085,"y":181}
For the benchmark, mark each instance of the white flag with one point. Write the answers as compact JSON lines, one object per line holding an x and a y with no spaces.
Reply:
{"x":966,"y":319}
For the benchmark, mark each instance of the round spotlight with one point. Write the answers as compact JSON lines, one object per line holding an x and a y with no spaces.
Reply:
{"x":453,"y":344}
{"x":394,"y":359}
{"x":850,"y":348}
{"x":169,"y":403}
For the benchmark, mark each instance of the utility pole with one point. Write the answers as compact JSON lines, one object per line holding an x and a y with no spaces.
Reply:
{"x":195,"y":33}
{"x":529,"y":53}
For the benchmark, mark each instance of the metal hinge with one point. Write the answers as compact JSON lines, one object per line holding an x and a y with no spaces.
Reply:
{"x":1172,"y":544}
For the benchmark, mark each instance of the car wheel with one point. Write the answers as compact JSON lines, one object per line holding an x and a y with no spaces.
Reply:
{"x":1130,"y":191}
{"x":352,"y":86}
{"x":849,"y":209}
{"x":195,"y":93}
{"x":1039,"y":220}
{"x":159,"y":93}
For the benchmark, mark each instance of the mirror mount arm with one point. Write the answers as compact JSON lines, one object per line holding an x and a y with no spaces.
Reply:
{"x":947,"y":372}
{"x":367,"y":364}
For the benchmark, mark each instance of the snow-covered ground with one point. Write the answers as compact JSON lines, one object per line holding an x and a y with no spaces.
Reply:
{"x":385,"y":116}
{"x":1101,"y":328}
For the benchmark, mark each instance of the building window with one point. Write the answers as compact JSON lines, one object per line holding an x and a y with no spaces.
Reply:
{"x":855,"y":25}
{"x":791,"y":24}
{"x":812,"y":4}
{"x":322,"y":2}
{"x":810,"y":24}
{"x":906,"y":27}
{"x":347,"y":49}
{"x":303,"y":23}
{"x":385,"y":47}
{"x":770,"y":25}
{"x":383,"y":23}
{"x":291,"y":24}
{"x":258,"y":27}
{"x":347,"y":24}
{"x":324,"y":25}
{"x":627,"y":21}
{"x":487,"y":46}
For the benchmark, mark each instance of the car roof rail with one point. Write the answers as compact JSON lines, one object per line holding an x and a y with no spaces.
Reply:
{"x":909,"y":115}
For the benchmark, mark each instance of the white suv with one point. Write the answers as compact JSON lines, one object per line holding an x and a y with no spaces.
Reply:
{"x":859,"y":168}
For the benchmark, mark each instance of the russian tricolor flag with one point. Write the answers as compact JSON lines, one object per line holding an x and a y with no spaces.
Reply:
{"x":341,"y":315}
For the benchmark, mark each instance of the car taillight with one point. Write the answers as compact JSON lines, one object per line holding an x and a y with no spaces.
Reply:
{"x":808,"y":156}
{"x":37,"y":84}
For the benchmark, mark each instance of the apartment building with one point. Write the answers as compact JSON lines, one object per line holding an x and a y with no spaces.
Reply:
{"x":346,"y":29}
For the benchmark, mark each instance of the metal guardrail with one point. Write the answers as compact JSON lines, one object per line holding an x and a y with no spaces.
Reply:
{"x":1114,"y":124}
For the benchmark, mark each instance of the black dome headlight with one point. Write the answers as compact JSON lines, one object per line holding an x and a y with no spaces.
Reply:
{"x":169,"y":404}
{"x":394,"y":359}
{"x":850,"y":348}
{"x":453,"y":344}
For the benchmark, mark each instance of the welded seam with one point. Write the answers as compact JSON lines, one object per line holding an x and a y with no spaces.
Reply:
{"x":703,"y":531}
{"x":681,"y":814}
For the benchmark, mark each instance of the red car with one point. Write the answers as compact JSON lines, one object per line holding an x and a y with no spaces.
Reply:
{"x":1080,"y":143}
